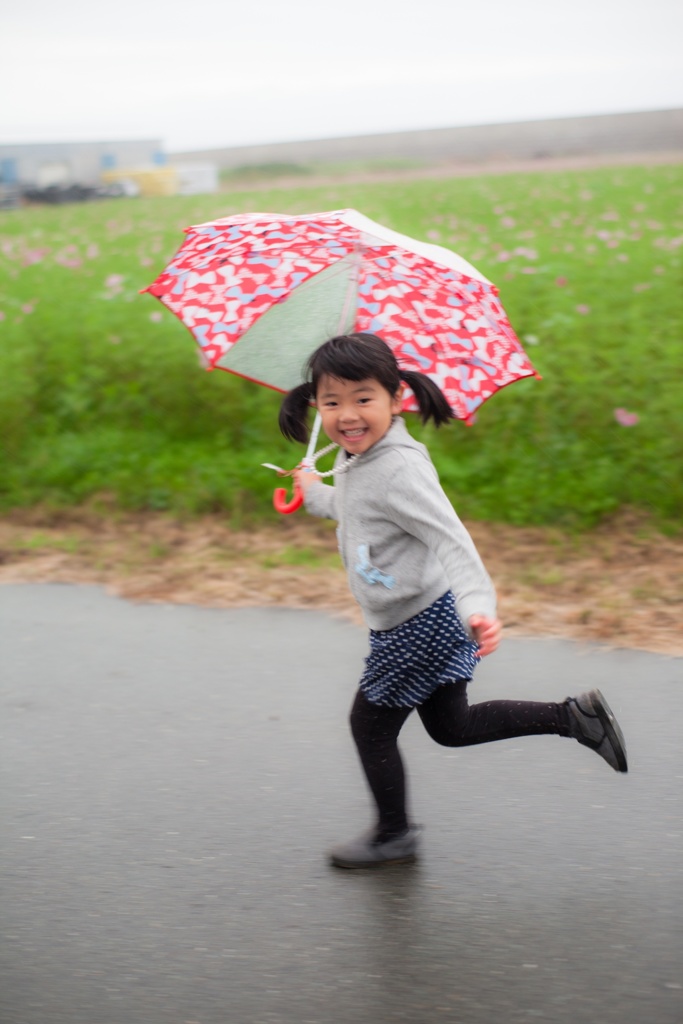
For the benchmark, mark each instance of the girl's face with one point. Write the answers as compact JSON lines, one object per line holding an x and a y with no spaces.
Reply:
{"x":356,"y":413}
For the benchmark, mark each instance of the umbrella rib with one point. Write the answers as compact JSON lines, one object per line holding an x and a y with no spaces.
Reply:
{"x":348,"y":298}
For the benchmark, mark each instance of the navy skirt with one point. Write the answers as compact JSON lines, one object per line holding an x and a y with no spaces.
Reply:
{"x":407,"y":664}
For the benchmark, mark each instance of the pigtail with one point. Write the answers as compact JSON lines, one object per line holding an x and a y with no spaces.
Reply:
{"x":430,"y":399}
{"x":294,"y":413}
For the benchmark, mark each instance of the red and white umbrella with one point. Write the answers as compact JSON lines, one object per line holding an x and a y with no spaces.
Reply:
{"x":261,"y":291}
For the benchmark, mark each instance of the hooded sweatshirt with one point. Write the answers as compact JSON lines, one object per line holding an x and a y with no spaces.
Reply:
{"x":400,"y":540}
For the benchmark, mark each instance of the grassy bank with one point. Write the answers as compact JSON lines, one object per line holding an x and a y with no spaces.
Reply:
{"x":101,"y":392}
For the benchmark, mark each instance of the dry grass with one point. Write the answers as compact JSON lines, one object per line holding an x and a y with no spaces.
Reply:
{"x":620,"y":585}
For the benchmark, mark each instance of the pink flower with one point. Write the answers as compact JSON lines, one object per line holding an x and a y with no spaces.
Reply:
{"x":114,"y":281}
{"x":583,"y":310}
{"x":560,"y":282}
{"x":625,"y":418}
{"x":27,"y":308}
{"x":67,"y":260}
{"x":3,"y":316}
{"x":34,"y":256}
{"x":156,"y":317}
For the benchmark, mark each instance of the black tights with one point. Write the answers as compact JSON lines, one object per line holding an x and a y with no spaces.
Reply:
{"x":449,"y":719}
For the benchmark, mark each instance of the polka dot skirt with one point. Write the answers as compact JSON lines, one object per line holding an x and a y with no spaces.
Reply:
{"x":407,"y":664}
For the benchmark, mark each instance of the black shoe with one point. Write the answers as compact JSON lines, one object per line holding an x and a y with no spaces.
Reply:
{"x":592,"y":723}
{"x":368,"y":852}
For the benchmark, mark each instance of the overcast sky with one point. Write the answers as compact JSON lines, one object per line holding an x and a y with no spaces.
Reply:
{"x":198,"y":74}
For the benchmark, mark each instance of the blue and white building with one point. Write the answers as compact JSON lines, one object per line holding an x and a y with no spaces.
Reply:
{"x":43,"y":165}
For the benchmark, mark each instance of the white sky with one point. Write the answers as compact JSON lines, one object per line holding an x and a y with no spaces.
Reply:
{"x":197,"y":74}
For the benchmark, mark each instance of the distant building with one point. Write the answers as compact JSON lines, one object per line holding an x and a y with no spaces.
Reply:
{"x":45,"y":165}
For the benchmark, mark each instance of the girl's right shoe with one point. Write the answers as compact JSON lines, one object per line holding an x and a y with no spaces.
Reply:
{"x":592,"y":722}
{"x":367,"y":852}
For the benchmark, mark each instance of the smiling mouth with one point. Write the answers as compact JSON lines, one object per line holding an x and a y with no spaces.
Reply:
{"x":352,"y":434}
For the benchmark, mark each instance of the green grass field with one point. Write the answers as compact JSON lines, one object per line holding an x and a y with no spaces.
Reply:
{"x":101,"y":393}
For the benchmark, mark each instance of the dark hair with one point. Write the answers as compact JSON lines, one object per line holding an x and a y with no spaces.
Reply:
{"x":358,"y":357}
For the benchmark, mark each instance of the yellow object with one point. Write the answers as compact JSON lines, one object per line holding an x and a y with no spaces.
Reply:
{"x":157,"y":181}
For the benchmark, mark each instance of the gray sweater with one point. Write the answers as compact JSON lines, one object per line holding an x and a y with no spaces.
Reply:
{"x":400,"y":540}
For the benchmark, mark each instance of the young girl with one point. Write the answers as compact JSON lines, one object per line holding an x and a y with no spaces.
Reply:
{"x":420,"y":582}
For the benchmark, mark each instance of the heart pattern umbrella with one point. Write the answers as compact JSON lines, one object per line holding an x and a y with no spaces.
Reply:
{"x":260,"y":291}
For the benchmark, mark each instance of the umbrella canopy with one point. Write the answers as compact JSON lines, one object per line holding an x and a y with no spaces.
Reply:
{"x":261,"y":291}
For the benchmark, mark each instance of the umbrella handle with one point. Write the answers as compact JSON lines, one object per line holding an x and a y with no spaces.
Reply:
{"x":281,"y":504}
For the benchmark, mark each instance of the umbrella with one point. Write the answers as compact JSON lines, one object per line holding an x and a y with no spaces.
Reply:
{"x":261,"y":291}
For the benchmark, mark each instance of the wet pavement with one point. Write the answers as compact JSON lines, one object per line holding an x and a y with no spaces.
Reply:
{"x":173,"y":775}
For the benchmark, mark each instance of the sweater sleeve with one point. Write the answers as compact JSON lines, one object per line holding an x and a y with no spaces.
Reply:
{"x":320,"y":500}
{"x":418,"y":504}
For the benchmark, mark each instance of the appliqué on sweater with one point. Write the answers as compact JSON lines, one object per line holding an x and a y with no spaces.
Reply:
{"x":370,"y":573}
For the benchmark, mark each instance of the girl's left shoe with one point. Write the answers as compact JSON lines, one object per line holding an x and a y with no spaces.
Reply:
{"x":592,"y":722}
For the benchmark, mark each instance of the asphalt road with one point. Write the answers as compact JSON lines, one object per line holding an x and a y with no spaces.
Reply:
{"x":173,"y":775}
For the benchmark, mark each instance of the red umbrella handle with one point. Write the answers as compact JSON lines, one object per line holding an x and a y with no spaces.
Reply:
{"x":281,"y":504}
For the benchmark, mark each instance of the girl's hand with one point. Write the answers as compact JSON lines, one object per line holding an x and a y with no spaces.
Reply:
{"x":486,"y":632}
{"x":303,"y":478}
